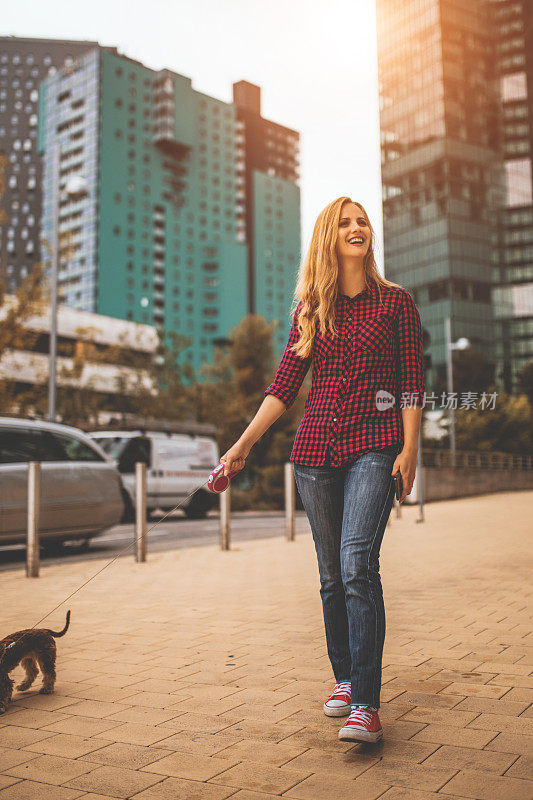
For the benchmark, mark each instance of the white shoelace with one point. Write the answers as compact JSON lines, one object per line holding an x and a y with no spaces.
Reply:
{"x":359,"y":714}
{"x":343,"y":687}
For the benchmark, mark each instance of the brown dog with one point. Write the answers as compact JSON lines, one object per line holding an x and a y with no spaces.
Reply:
{"x":27,"y":648}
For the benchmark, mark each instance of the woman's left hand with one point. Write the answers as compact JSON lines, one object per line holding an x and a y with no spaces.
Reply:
{"x":405,"y":463}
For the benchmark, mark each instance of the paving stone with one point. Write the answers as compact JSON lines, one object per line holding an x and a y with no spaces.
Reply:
{"x":485,"y":786}
{"x":444,"y":734}
{"x":11,"y":758}
{"x":192,"y":766}
{"x":205,"y":743}
{"x":329,"y":787}
{"x":180,"y":789}
{"x":30,"y":790}
{"x":262,"y":752}
{"x":466,"y":758}
{"x":82,"y":726}
{"x":136,"y":733}
{"x":67,"y":745}
{"x":260,"y":778}
{"x":510,"y":743}
{"x":49,"y":769}
{"x":113,"y":781}
{"x":13,"y":736}
{"x":121,"y":754}
{"x":522,"y":768}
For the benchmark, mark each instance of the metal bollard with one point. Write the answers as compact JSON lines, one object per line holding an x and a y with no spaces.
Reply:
{"x":420,"y":479}
{"x":140,"y":511}
{"x":290,"y":502}
{"x":34,"y":502}
{"x":225,"y":519}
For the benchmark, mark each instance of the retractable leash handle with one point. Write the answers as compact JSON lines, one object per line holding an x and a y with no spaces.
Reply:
{"x":218,"y":482}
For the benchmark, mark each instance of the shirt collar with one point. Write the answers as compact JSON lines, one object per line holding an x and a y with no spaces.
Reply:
{"x":367,"y":291}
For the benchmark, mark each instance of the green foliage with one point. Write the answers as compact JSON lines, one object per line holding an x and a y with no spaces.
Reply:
{"x":506,"y":428}
{"x":230,"y":397}
{"x":15,"y":311}
{"x":472,"y":372}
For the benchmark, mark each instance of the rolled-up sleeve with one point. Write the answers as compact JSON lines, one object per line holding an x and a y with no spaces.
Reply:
{"x":410,"y":370}
{"x":292,"y":368}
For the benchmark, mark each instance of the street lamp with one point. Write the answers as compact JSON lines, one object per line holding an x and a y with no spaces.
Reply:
{"x":460,"y":344}
{"x":75,"y":189}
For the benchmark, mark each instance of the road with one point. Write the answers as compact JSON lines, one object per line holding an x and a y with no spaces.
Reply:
{"x":164,"y":534}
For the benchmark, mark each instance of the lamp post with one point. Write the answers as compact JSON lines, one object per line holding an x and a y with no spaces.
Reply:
{"x":76,"y":188}
{"x":460,"y":344}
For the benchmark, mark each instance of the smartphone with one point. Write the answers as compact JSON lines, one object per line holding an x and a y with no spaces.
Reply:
{"x":398,"y":485}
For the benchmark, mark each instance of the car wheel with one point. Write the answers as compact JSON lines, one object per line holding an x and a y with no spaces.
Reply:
{"x":53,"y":547}
{"x":198,"y":507}
{"x":129,"y":509}
{"x":83,"y":545}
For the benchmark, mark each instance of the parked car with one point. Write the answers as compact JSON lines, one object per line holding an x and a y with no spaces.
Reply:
{"x":81,"y":489}
{"x":177,"y":464}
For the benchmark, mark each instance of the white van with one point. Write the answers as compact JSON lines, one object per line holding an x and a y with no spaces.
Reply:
{"x":176,"y":465}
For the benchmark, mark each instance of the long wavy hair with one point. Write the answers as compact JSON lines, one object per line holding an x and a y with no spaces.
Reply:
{"x":317,"y":283}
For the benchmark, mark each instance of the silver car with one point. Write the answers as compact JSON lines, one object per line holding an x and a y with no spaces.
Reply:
{"x":81,"y":488}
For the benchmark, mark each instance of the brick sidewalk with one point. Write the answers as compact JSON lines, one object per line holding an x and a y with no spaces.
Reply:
{"x":202,"y":673}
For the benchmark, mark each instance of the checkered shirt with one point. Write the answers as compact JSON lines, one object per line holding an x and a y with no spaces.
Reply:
{"x":360,"y":379}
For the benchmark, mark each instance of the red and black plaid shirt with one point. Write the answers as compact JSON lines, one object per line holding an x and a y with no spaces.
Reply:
{"x":361,"y":379}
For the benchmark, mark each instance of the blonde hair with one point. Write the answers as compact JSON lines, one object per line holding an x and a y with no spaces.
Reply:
{"x":316,"y":286}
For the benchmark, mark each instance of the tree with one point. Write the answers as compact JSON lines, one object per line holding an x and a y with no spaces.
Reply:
{"x":472,"y":372}
{"x":15,"y":311}
{"x":230,"y":397}
{"x":508,"y":428}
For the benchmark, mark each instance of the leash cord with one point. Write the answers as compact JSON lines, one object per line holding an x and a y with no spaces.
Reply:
{"x":123,"y":550}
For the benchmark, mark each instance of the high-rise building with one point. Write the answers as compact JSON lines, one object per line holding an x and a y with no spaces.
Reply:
{"x":512,"y":30}
{"x":443,"y":177}
{"x":271,"y":198}
{"x":192,"y":218}
{"x":24,"y":63}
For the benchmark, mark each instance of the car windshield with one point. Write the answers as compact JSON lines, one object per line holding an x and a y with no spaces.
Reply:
{"x":112,"y":445}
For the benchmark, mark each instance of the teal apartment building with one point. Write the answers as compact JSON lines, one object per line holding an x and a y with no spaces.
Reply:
{"x":191,"y":217}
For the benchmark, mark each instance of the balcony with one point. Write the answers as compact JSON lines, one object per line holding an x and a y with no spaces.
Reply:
{"x":164,"y":132}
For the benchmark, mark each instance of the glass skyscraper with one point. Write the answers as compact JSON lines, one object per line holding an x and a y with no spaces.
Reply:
{"x":512,"y":28}
{"x":448,"y":190}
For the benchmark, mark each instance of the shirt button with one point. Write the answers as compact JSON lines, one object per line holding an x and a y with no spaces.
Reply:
{"x":344,"y":380}
{"x":334,"y":419}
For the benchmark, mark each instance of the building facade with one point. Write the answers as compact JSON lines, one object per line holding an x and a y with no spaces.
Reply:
{"x":512,"y":30}
{"x":443,"y":180}
{"x":108,"y":357}
{"x":184,"y":227}
{"x":271,"y":195}
{"x":24,"y":63}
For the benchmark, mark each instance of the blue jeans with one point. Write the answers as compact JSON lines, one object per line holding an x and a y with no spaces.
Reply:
{"x":348,"y":508}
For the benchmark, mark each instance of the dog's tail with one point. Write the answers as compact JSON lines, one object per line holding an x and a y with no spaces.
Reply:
{"x":63,"y":632}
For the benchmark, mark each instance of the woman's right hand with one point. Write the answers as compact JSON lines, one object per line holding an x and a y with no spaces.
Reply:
{"x":234,"y":458}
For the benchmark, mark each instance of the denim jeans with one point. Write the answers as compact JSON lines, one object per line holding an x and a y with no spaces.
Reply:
{"x":348,"y":508}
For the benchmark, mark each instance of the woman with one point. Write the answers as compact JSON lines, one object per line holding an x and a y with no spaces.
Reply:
{"x":363,"y":336}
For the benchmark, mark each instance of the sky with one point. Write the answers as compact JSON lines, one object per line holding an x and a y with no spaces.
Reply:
{"x":316,"y":64}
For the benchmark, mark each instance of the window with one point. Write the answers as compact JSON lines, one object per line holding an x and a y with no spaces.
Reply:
{"x":513,"y":87}
{"x":19,"y":445}
{"x":74,"y":449}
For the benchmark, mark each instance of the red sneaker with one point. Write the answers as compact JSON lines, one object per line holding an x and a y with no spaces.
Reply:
{"x":362,"y":725}
{"x":338,"y":703}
